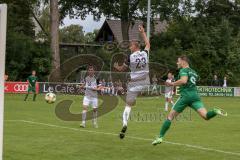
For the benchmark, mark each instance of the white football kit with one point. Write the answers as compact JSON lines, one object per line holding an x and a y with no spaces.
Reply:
{"x":91,"y":96}
{"x":168,"y":89}
{"x":138,"y":64}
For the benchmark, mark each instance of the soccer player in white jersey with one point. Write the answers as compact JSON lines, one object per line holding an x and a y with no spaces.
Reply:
{"x":91,"y":97}
{"x":169,"y":91}
{"x":138,"y":64}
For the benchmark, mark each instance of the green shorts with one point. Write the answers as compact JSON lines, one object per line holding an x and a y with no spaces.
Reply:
{"x":192,"y":100}
{"x":32,"y":89}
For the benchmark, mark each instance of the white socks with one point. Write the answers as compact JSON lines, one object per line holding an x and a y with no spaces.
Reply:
{"x":166,"y":106}
{"x":126,"y":114}
{"x":94,"y":117}
{"x":84,"y":115}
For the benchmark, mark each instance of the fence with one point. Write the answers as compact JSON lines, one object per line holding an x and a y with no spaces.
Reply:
{"x":71,"y":88}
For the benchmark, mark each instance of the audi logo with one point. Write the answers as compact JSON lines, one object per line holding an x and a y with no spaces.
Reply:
{"x":20,"y":87}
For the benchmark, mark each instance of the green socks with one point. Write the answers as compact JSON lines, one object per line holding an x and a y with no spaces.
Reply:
{"x":165,"y":127}
{"x":211,"y":114}
{"x":167,"y":122}
{"x":34,"y":97}
{"x":26,"y":97}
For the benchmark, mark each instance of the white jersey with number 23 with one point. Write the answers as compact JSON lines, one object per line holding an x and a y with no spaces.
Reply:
{"x":138,"y":64}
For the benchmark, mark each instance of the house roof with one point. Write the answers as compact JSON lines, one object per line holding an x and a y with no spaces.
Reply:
{"x":115,"y":26}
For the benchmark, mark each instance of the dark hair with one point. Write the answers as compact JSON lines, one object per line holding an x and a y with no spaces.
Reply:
{"x":184,"y":58}
{"x":90,"y":67}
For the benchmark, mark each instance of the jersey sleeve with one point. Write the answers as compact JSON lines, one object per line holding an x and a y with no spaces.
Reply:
{"x":183,"y":72}
{"x":97,"y":81}
{"x":146,"y":51}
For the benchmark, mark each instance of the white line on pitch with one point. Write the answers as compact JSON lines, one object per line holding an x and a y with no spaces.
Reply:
{"x":131,"y":137}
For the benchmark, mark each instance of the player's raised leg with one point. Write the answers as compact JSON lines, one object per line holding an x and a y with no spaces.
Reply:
{"x":207,"y":115}
{"x":202,"y":111}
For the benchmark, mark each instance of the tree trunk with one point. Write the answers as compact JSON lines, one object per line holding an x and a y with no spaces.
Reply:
{"x":125,"y":30}
{"x":54,"y":20}
{"x":124,"y":9}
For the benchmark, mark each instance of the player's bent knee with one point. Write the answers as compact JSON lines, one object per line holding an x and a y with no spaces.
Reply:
{"x":85,"y":107}
{"x":204,"y":116}
{"x":173,"y":114}
{"x":170,"y":117}
{"x":203,"y":113}
{"x":130,"y":103}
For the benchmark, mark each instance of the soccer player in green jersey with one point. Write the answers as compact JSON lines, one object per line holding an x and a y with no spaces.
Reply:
{"x":32,"y":80}
{"x":187,"y":79}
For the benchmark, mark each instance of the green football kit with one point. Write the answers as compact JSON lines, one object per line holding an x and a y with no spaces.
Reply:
{"x":32,"y":83}
{"x":188,"y":92}
{"x":188,"y":97}
{"x":32,"y":80}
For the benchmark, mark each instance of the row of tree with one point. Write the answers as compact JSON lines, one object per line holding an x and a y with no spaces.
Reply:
{"x":27,"y":50}
{"x":206,"y":30}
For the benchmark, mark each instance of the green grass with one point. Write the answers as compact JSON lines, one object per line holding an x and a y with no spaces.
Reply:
{"x":26,"y":141}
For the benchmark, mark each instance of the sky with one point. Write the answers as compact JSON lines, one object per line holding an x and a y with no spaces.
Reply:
{"x":88,"y":24}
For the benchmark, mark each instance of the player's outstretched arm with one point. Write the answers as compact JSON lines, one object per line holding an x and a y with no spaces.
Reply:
{"x":80,"y":85}
{"x":183,"y":80}
{"x":144,"y":36}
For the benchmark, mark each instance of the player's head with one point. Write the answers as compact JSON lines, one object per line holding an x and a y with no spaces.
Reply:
{"x":170,"y":75}
{"x":90,"y":70}
{"x":182,"y":61}
{"x":33,"y":72}
{"x":134,"y":45}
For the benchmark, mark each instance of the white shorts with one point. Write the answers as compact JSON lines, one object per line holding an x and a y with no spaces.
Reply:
{"x":135,"y":88}
{"x":168,"y":95}
{"x":90,"y":101}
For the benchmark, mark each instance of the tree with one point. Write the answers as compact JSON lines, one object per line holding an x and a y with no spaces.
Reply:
{"x":54,"y":21}
{"x":19,"y":16}
{"x":23,"y":53}
{"x":90,"y":36}
{"x":44,"y":19}
{"x":126,"y":11}
{"x":72,"y":34}
{"x":207,"y":31}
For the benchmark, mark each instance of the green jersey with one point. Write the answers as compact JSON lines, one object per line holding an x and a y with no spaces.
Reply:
{"x":32,"y":80}
{"x":192,"y":79}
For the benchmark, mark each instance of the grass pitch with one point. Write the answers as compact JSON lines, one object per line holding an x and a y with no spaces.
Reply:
{"x":33,"y":132}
